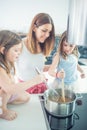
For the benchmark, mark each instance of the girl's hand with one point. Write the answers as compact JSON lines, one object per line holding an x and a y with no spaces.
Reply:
{"x":2,"y":89}
{"x":60,"y":74}
{"x":82,"y":75}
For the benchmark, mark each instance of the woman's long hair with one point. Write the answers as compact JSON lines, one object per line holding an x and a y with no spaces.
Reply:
{"x":39,"y":20}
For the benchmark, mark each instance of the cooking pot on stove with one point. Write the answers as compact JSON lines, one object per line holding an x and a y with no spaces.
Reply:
{"x":57,"y":108}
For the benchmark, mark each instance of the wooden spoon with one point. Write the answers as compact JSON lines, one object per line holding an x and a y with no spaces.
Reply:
{"x":63,"y":92}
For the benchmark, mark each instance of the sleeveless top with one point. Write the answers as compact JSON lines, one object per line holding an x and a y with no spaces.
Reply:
{"x":12,"y":74}
{"x":27,"y":62}
{"x":69,"y":65}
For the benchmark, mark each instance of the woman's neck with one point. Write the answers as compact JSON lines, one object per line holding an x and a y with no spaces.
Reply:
{"x":37,"y":46}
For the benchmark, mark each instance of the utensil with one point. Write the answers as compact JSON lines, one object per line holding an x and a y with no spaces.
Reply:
{"x":63,"y":91}
{"x":54,"y":93}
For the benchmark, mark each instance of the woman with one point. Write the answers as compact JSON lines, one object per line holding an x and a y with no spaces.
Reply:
{"x":38,"y":44}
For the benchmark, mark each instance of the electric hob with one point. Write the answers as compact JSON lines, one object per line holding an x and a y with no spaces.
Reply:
{"x":76,"y":121}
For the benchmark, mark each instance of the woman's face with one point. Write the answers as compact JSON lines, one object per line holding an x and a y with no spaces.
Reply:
{"x":14,"y":52}
{"x":42,"y":32}
{"x":68,"y":48}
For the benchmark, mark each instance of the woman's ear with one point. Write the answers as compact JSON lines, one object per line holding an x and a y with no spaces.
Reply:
{"x":34,"y":27}
{"x":2,"y":49}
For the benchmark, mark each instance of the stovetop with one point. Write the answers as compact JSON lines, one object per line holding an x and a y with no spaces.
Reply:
{"x":76,"y":121}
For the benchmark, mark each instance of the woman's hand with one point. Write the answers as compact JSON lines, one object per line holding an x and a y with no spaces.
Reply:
{"x":46,"y":68}
{"x":40,"y":78}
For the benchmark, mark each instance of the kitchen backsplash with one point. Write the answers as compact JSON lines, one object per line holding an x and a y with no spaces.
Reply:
{"x":82,"y":51}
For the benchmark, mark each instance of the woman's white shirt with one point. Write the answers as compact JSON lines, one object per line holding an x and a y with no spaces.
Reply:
{"x":27,"y":62}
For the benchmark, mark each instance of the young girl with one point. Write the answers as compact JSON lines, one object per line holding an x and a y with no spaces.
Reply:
{"x":11,"y":91}
{"x":66,"y":63}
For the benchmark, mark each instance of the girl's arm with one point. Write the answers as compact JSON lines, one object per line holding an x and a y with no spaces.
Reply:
{"x":11,"y":87}
{"x":52,"y":68}
{"x":81,"y":71}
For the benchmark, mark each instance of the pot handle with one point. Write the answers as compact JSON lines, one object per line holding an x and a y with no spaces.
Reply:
{"x":78,"y":96}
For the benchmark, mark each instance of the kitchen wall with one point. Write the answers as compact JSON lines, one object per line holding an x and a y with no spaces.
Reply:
{"x":17,"y":14}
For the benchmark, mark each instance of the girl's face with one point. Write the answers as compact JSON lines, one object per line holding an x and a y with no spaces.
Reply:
{"x":14,"y":52}
{"x":68,"y":48}
{"x":42,"y":32}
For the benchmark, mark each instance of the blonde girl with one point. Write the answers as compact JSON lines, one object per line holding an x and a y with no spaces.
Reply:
{"x":65,"y":62}
{"x":11,"y":91}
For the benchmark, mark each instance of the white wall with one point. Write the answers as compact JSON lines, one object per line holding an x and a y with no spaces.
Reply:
{"x":17,"y":14}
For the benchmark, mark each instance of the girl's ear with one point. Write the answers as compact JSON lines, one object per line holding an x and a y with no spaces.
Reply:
{"x":2,"y":50}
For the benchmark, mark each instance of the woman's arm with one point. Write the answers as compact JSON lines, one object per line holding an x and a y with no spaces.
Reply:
{"x":46,"y":68}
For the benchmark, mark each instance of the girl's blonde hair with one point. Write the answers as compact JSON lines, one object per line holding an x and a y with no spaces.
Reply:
{"x":7,"y":40}
{"x":60,"y":47}
{"x":39,"y":20}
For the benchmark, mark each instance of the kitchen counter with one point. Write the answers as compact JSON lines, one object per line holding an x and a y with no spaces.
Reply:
{"x":30,"y":116}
